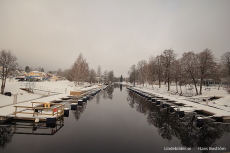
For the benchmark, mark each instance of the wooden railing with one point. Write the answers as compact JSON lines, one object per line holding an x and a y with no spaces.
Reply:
{"x":55,"y":109}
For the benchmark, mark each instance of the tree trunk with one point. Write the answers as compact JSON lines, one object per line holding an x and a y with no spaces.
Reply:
{"x":176,"y":87}
{"x":3,"y":85}
{"x":201,"y":84}
{"x":168,"y":83}
{"x":194,"y":82}
{"x":219,"y":86}
{"x":180,"y":90}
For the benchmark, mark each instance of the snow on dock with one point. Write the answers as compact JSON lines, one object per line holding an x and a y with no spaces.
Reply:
{"x":190,"y":105}
{"x":8,"y":110}
{"x":24,"y":107}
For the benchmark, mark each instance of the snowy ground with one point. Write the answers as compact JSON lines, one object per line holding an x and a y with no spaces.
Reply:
{"x":59,"y":89}
{"x":22,"y":96}
{"x":199,"y":101}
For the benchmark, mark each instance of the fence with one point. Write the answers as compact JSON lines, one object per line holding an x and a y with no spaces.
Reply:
{"x":57,"y":110}
{"x":51,"y":89}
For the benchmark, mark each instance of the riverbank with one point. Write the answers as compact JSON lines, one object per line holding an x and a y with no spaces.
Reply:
{"x":43,"y":92}
{"x":222,"y":100}
{"x":213,"y":107}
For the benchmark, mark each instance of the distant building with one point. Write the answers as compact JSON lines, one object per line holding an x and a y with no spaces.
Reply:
{"x":37,"y":75}
{"x":54,"y":78}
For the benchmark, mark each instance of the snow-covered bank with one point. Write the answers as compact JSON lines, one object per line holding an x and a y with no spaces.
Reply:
{"x":211,"y":91}
{"x":24,"y":98}
{"x":218,"y":110}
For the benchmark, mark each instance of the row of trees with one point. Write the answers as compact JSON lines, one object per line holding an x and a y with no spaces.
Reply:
{"x":190,"y":69}
{"x":80,"y":72}
{"x":28,"y":69}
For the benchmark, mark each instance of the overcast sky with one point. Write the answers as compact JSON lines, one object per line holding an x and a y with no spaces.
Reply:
{"x":112,"y":33}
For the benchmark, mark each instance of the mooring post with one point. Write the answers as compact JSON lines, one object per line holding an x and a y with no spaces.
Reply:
{"x":15,"y":99}
{"x":48,"y":93}
{"x":206,"y":101}
{"x":65,"y":90}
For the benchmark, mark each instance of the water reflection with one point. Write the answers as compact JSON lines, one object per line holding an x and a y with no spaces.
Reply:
{"x":98,"y":98}
{"x":41,"y":128}
{"x":80,"y":110}
{"x":108,"y":93}
{"x":6,"y":135}
{"x":171,"y":125}
{"x":27,"y":127}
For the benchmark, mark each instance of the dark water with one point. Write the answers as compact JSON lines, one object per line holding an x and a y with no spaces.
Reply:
{"x":115,"y":121}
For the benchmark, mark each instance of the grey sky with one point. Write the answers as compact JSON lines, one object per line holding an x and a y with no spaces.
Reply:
{"x":112,"y":33}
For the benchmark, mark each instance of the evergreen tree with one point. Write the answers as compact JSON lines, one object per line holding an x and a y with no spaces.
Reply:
{"x":27,"y":69}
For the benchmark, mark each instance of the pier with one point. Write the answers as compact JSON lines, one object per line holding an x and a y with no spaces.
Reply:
{"x":46,"y":108}
{"x":182,"y":105}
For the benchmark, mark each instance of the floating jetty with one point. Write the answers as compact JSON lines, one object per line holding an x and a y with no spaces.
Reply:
{"x":41,"y":112}
{"x":182,"y":106}
{"x":48,"y":109}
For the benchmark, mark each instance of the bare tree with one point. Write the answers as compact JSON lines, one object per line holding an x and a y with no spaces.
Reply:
{"x":92,"y":76}
{"x":159,"y":69}
{"x":133,"y":74}
{"x":67,"y":74}
{"x":176,"y":68}
{"x":141,"y":66}
{"x":8,"y":64}
{"x":146,"y":72}
{"x":59,"y":72}
{"x":105,"y":76}
{"x":110,"y":76}
{"x":169,"y":56}
{"x":217,"y":73}
{"x":80,"y":70}
{"x":152,"y":70}
{"x":206,"y":63}
{"x":99,"y":73}
{"x":225,"y":61}
{"x":189,"y":66}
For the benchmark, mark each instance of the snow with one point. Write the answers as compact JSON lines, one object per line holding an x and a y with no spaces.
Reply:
{"x":24,"y":98}
{"x":219,"y":107}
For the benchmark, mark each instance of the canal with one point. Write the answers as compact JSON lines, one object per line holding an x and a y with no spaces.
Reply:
{"x":116,"y":121}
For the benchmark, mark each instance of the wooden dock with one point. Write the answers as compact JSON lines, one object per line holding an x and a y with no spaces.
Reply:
{"x":41,"y":111}
{"x":185,"y":105}
{"x":47,"y":109}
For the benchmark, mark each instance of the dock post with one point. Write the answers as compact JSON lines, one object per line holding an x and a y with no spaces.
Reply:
{"x":206,"y":101}
{"x":15,"y":99}
{"x":15,"y":111}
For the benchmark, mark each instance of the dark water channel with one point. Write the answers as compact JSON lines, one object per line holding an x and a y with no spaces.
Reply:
{"x":115,"y":121}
